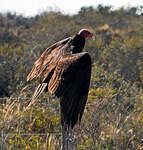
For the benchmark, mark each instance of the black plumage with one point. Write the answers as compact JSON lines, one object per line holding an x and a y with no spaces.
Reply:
{"x":65,"y":71}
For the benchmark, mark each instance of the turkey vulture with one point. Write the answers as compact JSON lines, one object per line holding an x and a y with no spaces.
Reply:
{"x":65,"y":71}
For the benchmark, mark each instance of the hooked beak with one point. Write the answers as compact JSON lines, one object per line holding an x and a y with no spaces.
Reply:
{"x":92,"y":37}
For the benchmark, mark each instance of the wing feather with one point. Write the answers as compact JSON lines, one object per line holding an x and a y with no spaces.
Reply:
{"x":70,"y":82}
{"x":49,"y":58}
{"x":67,"y":76}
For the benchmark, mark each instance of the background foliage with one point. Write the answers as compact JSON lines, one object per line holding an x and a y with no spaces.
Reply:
{"x":113,"y":118}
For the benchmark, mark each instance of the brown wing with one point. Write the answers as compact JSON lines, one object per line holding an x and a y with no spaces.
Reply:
{"x":49,"y":58}
{"x":70,"y":82}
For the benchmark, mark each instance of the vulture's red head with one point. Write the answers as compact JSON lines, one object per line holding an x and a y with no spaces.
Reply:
{"x":86,"y":34}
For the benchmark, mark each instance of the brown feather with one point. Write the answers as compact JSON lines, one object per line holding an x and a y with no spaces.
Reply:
{"x":66,"y":71}
{"x":70,"y":82}
{"x":46,"y":60}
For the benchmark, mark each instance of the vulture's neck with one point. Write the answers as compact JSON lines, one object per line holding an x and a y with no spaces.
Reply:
{"x":78,"y":43}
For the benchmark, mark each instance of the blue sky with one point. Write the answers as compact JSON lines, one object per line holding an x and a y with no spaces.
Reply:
{"x":32,"y":7}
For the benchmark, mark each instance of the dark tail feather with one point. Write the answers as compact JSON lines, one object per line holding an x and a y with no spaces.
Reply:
{"x":39,"y":89}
